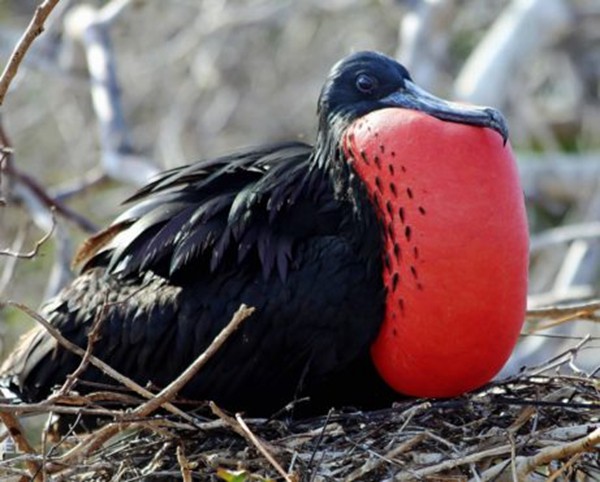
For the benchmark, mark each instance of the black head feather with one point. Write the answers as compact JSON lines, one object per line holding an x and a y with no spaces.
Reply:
{"x":357,"y":85}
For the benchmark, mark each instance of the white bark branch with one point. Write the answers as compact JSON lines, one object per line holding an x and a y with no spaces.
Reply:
{"x":90,"y":27}
{"x":523,"y":28}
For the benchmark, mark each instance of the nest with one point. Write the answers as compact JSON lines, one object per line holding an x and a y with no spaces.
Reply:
{"x":543,"y":424}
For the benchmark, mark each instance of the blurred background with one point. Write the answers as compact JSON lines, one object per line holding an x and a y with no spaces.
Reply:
{"x":112,"y":92}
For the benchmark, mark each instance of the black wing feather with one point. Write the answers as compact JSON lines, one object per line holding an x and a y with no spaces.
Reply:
{"x":189,"y":215}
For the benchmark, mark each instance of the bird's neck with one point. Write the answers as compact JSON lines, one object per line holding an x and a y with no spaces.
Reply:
{"x":361,"y":222}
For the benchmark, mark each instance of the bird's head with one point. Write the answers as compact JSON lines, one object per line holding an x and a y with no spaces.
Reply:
{"x":367,"y":81}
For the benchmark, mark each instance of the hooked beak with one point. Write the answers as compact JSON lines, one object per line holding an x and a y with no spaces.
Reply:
{"x":413,"y":97}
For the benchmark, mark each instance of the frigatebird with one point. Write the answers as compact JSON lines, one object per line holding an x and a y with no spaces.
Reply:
{"x":312,"y":237}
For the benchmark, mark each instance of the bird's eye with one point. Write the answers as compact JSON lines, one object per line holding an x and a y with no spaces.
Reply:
{"x":366,"y":84}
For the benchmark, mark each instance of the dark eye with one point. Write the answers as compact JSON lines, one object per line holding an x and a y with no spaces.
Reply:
{"x":366,"y":84}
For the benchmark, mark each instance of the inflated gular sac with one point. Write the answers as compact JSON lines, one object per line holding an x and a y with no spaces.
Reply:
{"x":456,"y":248}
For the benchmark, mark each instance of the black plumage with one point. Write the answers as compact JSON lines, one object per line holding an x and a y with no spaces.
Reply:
{"x":286,"y":228}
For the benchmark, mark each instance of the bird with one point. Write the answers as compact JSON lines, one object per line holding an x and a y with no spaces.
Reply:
{"x":320,"y":240}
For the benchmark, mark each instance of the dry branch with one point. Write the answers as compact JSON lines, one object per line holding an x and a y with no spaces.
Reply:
{"x":41,"y":205}
{"x":478,"y":436}
{"x":93,"y":336}
{"x":374,"y":464}
{"x":171,"y":390}
{"x":35,"y":28}
{"x":90,"y":26}
{"x":107,"y":369}
{"x":163,"y":398}
{"x":574,"y":309}
{"x":260,"y":445}
{"x":185,"y":465}
{"x":238,"y":425}
{"x":16,"y":432}
{"x":526,"y":465}
{"x":524,"y":28}
{"x":34,"y":251}
{"x":565,"y":234}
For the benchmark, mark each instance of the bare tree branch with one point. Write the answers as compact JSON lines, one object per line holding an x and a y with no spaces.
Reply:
{"x":164,"y":396}
{"x":565,"y":234}
{"x":424,"y":39}
{"x":90,"y":26}
{"x":523,"y":28}
{"x":39,"y":202}
{"x":35,"y":28}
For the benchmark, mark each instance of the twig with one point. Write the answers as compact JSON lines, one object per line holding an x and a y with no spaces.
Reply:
{"x":569,"y":294}
{"x":38,"y":244}
{"x":92,"y":336}
{"x":107,"y":369}
{"x":453,"y":463}
{"x":441,"y":440}
{"x":530,"y":410}
{"x":15,"y":429}
{"x":567,"y":433}
{"x":561,"y":358}
{"x":90,"y":26}
{"x":412,"y":411}
{"x":163,"y":397}
{"x":44,"y":407}
{"x":158,"y":460}
{"x":32,"y":193}
{"x":513,"y":457}
{"x":262,"y":449}
{"x":175,"y":386}
{"x":184,"y":465}
{"x":538,"y":326}
{"x":11,"y":263}
{"x":580,"y":309}
{"x":563,"y":468}
{"x":95,"y":441}
{"x":35,"y":28}
{"x":33,"y":186}
{"x":93,"y":179}
{"x":238,"y":425}
{"x":229,"y":421}
{"x":564,"y":234}
{"x":372,"y":465}
{"x":313,"y":469}
{"x":526,"y":465}
{"x":45,"y":432}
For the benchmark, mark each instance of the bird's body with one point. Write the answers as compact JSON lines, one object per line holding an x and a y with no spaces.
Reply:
{"x":289,"y":229}
{"x":202,"y":240}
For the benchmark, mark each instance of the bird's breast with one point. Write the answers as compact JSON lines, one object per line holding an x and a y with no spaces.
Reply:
{"x":455,"y":255}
